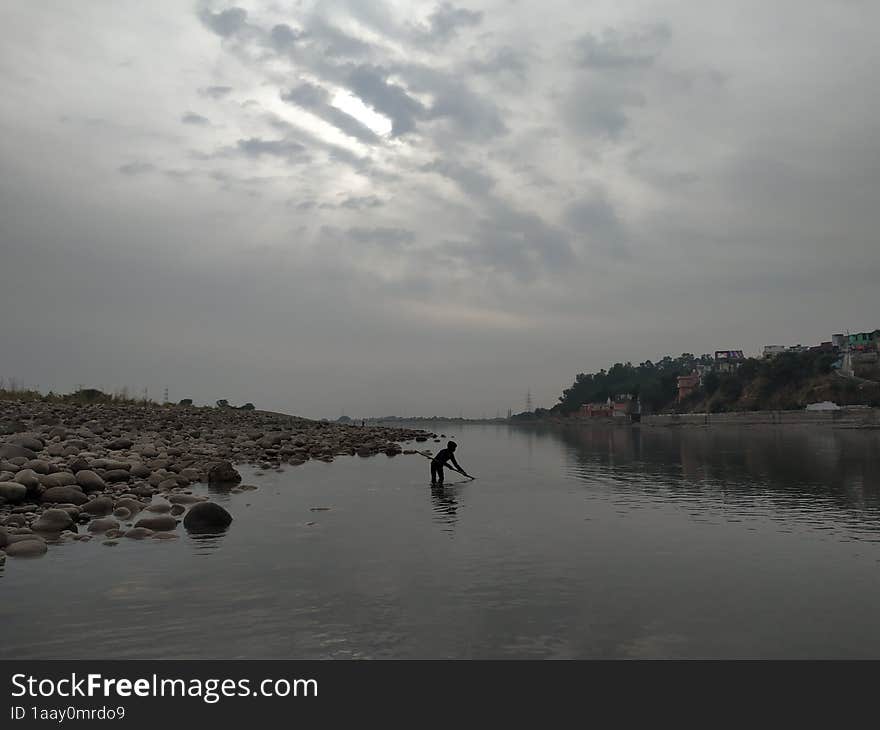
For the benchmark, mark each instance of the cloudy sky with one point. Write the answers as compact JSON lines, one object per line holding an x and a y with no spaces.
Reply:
{"x":427,"y":208}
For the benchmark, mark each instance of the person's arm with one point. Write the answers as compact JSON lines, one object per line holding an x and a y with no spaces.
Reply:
{"x":456,"y":465}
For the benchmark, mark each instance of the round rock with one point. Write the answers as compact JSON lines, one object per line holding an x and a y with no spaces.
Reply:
{"x":206,"y":517}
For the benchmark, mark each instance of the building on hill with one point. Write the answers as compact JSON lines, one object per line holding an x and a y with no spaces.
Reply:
{"x":597,"y":410}
{"x":864,"y":341}
{"x":774,"y":350}
{"x":727,"y":361}
{"x":687,"y":384}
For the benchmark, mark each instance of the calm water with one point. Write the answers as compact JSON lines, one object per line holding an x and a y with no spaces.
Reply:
{"x":572,"y":543}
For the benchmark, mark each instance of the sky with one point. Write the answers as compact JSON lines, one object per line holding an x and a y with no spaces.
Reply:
{"x":424,"y":208}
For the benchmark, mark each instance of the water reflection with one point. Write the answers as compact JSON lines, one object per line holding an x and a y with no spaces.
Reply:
{"x":445,"y":506}
{"x":810,"y":473}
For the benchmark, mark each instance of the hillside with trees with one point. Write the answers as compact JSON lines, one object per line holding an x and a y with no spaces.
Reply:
{"x":788,"y":381}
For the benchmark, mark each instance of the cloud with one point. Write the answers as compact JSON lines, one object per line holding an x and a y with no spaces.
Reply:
{"x":196,"y":119}
{"x":256,"y":147}
{"x":504,"y":60}
{"x":383,"y":236}
{"x":362,"y":202}
{"x":282,"y":36}
{"x":370,"y":84}
{"x":471,"y":181}
{"x":225,"y":23}
{"x":596,"y":220}
{"x":316,"y":99}
{"x":216,"y":92}
{"x":136,"y":168}
{"x":445,"y":21}
{"x":616,"y":49}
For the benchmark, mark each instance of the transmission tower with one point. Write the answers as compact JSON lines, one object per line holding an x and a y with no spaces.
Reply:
{"x":529,"y":400}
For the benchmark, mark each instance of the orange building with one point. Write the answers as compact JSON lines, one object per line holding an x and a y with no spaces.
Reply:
{"x":687,"y":384}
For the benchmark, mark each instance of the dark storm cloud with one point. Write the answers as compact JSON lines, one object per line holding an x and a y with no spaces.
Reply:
{"x":471,"y":180}
{"x":225,"y":23}
{"x":316,"y":99}
{"x":193,"y":118}
{"x":622,"y":49}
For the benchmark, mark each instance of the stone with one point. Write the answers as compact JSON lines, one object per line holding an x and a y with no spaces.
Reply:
{"x":52,"y":520}
{"x":89,"y":481}
{"x":98,"y":506}
{"x":79,"y":464}
{"x":64,"y":478}
{"x":164,"y":536}
{"x":14,"y":451}
{"x":13,"y":491}
{"x":206,"y":517}
{"x":140,"y":471}
{"x":116,"y":475}
{"x":132,"y":505}
{"x":28,"y":442}
{"x":123,"y":513}
{"x":120,"y":444}
{"x":137,"y":533}
{"x":161,"y":507}
{"x":184,"y":499}
{"x":29,"y":478}
{"x":177,"y":509}
{"x":223,"y":473}
{"x":109,"y":543}
{"x":40,"y":466}
{"x":74,"y":495}
{"x":30,"y":548}
{"x":103,"y":524}
{"x":158,"y":523}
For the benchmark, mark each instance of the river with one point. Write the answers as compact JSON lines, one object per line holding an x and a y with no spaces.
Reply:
{"x":725,"y":542}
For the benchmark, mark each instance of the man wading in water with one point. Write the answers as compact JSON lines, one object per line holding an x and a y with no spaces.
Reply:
{"x":439,"y":461}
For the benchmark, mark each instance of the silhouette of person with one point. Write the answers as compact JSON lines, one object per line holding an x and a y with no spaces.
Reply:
{"x":443,"y":458}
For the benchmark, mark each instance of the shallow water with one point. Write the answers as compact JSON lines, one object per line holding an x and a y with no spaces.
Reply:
{"x":725,"y":542}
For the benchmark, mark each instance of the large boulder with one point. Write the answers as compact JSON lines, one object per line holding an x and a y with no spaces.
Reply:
{"x":30,"y":548}
{"x":223,"y":473}
{"x":206,"y":517}
{"x":52,"y":520}
{"x":13,"y":491}
{"x":157,"y":523}
{"x":29,"y":478}
{"x":73,"y":495}
{"x":116,"y":475}
{"x":89,"y":481}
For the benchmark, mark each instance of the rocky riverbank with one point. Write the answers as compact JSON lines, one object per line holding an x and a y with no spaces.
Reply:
{"x":110,"y":471}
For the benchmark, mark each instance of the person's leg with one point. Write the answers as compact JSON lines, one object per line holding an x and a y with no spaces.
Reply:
{"x":433,"y":473}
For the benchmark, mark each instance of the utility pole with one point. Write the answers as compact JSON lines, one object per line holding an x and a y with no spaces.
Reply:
{"x":529,"y":400}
